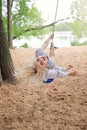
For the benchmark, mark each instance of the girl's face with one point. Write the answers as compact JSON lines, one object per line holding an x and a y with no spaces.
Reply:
{"x":42,"y":60}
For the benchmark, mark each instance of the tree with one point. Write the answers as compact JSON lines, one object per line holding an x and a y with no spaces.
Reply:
{"x":24,"y":15}
{"x":9,"y":23}
{"x":64,"y":26}
{"x":6,"y":63}
{"x":79,"y":12}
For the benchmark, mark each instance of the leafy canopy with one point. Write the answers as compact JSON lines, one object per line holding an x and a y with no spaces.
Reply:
{"x":79,"y":11}
{"x":25,"y":15}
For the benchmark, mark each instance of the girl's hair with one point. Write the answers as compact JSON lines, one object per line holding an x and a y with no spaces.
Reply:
{"x":29,"y":73}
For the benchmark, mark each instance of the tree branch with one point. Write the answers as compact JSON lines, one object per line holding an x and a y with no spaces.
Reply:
{"x":12,"y":3}
{"x":42,"y":27}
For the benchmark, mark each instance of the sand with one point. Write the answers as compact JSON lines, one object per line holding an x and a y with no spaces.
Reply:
{"x":60,"y":105}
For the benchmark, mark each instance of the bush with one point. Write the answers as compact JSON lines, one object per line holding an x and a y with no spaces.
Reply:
{"x":25,"y":45}
{"x":84,"y":43}
{"x":75,"y":43}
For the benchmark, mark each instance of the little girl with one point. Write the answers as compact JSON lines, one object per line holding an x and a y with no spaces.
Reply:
{"x":43,"y":68}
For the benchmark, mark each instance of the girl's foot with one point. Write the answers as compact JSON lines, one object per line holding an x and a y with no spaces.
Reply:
{"x":73,"y":73}
{"x":69,"y":67}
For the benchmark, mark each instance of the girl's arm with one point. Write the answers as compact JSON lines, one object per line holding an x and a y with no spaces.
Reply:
{"x":46,"y":42}
{"x":52,"y":54}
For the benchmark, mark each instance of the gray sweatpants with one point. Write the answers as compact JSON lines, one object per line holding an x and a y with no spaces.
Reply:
{"x":57,"y":72}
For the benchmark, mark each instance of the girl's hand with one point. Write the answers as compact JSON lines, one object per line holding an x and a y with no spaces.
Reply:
{"x":38,"y":66}
{"x":51,"y":36}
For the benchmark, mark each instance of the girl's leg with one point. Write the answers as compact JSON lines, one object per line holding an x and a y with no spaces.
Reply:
{"x":64,"y":69}
{"x":55,"y":73}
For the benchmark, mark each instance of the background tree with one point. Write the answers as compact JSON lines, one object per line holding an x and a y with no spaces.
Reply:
{"x":6,"y":63}
{"x":64,"y":26}
{"x":79,"y":11}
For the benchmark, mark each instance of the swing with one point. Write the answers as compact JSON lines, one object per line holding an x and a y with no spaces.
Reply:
{"x":51,"y":80}
{"x":48,"y":81}
{"x":55,"y":20}
{"x":55,"y":15}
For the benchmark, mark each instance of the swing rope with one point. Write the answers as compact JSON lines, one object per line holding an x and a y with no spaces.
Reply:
{"x":54,"y":23}
{"x":55,"y":15}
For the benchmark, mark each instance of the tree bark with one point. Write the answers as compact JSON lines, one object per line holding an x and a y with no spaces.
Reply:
{"x":6,"y":63}
{"x":9,"y":23}
{"x":0,"y":78}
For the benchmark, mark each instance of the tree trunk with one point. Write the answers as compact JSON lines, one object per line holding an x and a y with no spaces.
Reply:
{"x":9,"y":23}
{"x":0,"y":78}
{"x":6,"y":64}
